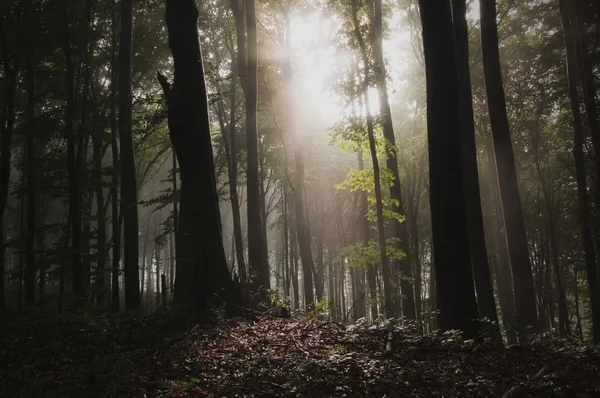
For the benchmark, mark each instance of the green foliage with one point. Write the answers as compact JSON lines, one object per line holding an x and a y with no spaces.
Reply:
{"x":359,"y":255}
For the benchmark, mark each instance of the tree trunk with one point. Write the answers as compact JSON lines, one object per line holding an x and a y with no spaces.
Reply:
{"x":128,"y":178}
{"x":114,"y":185}
{"x":582,"y":195}
{"x":233,"y":175}
{"x":479,"y":260}
{"x":30,"y":271}
{"x":387,"y":285}
{"x":507,"y":175}
{"x":101,"y":219}
{"x":455,"y":293}
{"x":403,"y":266}
{"x":7,"y":125}
{"x":257,"y":246}
{"x":157,"y":256}
{"x":298,"y":191}
{"x":230,"y":146}
{"x":366,"y":236}
{"x":201,"y":262}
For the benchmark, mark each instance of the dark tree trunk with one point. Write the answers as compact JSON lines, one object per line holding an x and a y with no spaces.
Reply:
{"x":163,"y":291}
{"x":101,"y":219}
{"x":30,"y":270}
{"x":230,"y":146}
{"x":403,"y":266}
{"x":479,"y":259}
{"x":128,"y":178}
{"x":582,"y":194}
{"x":157,"y":256}
{"x":455,"y":293}
{"x":233,"y":176}
{"x":114,"y":186}
{"x":7,"y":124}
{"x":257,"y":246}
{"x":507,"y":175}
{"x":201,"y":262}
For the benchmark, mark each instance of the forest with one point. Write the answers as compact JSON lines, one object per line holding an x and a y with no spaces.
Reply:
{"x":388,"y":198}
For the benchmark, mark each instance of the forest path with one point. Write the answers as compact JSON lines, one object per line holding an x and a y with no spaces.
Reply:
{"x":109,"y":356}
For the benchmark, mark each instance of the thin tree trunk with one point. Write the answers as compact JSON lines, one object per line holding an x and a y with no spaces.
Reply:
{"x":388,"y":305}
{"x":30,"y":270}
{"x":366,"y":236}
{"x":402,"y":266}
{"x":297,"y":191}
{"x":114,"y":186}
{"x":101,"y":219}
{"x":582,"y":192}
{"x":507,"y":176}
{"x":7,"y":124}
{"x":257,"y":246}
{"x":128,"y":177}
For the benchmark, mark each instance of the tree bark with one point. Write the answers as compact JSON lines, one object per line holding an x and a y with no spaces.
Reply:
{"x":128,"y":177}
{"x":387,"y":285}
{"x":582,"y":192}
{"x":114,"y":186}
{"x":7,"y":125}
{"x":402,"y":266}
{"x":507,"y":175}
{"x":201,"y":262}
{"x":257,"y":246}
{"x":479,"y":259}
{"x":298,"y":192}
{"x":29,"y":278}
{"x":455,"y":293}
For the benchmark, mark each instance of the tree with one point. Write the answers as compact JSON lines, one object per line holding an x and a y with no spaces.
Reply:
{"x":298,"y":191}
{"x":201,"y":263}
{"x":257,"y":246}
{"x":582,"y":191}
{"x":29,"y":278}
{"x":479,"y":260}
{"x":128,"y":177}
{"x":400,"y":229}
{"x":507,"y":177}
{"x":114,"y":184}
{"x":454,"y":278}
{"x":7,"y":123}
{"x":365,"y":83}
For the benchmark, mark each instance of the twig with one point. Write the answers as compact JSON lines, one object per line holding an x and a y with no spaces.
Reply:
{"x":351,"y":308}
{"x":520,"y":390}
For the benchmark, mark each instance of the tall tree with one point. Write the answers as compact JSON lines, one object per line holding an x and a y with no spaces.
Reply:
{"x":201,"y":262}
{"x":455,"y":293}
{"x":7,"y":120}
{"x":582,"y":191}
{"x":479,"y":259}
{"x":298,"y":191}
{"x":128,"y":178}
{"x":30,"y":155}
{"x":400,"y":228}
{"x":257,"y":246}
{"x":114,"y":184}
{"x":364,"y":86}
{"x":505,"y":164}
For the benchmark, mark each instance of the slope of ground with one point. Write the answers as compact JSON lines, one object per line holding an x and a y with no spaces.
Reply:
{"x":167,"y":355}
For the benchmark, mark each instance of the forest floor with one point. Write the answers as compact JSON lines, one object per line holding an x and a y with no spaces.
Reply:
{"x":167,"y":355}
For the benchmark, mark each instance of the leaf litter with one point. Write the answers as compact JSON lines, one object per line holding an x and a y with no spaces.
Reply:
{"x":168,"y":355}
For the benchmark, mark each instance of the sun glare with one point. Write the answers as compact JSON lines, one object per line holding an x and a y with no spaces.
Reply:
{"x":315,"y":59}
